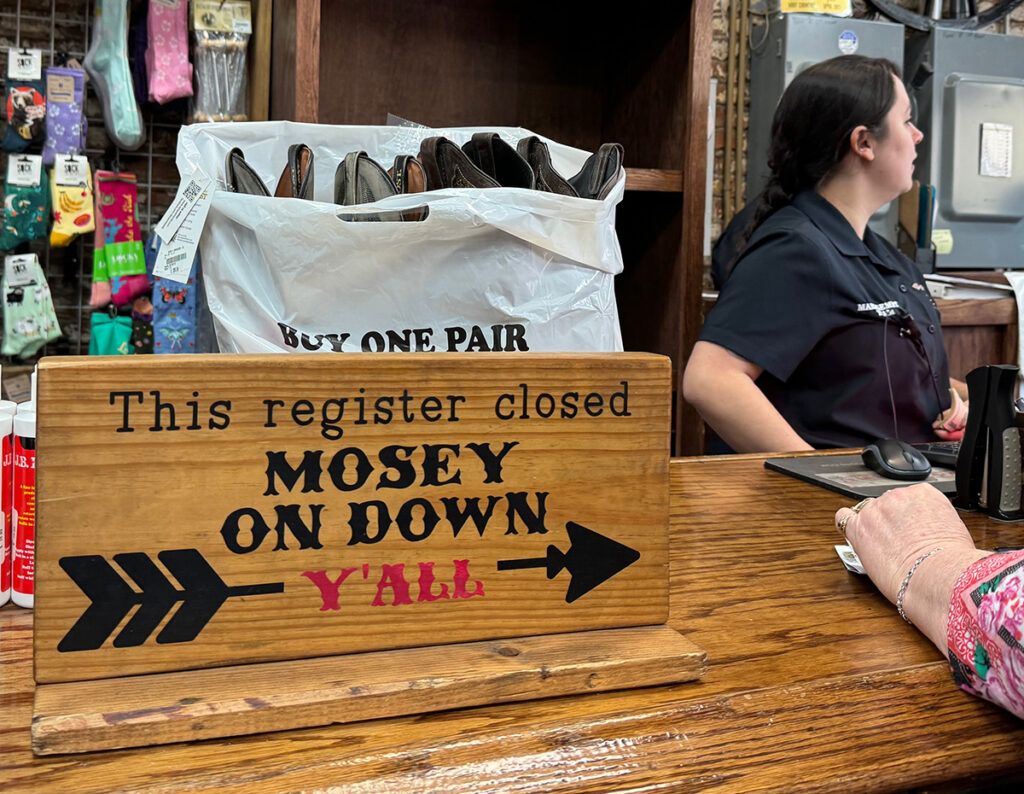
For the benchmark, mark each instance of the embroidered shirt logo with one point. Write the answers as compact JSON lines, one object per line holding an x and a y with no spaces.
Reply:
{"x":917,"y":286}
{"x":887,"y":309}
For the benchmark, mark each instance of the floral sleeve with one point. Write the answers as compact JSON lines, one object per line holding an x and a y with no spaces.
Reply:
{"x":986,"y":629}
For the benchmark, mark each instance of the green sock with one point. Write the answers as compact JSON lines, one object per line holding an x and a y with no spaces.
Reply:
{"x":26,"y":214}
{"x":29,"y":319}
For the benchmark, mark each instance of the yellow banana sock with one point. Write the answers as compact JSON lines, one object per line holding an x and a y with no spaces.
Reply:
{"x":72,"y":210}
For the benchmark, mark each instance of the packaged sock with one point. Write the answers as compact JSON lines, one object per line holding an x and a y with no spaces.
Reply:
{"x":65,"y":112}
{"x":117,"y":197}
{"x":100,"y":294}
{"x":110,"y":335}
{"x":174,"y":314}
{"x":25,"y":110}
{"x":72,"y":199}
{"x":170,"y":73}
{"x":107,"y":65}
{"x":142,"y":335}
{"x":29,"y":319}
{"x":26,"y":202}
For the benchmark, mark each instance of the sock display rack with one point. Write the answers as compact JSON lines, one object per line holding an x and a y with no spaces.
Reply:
{"x":65,"y":26}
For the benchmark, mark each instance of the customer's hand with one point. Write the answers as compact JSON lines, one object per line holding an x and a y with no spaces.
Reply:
{"x":950,"y":424}
{"x":892,"y":531}
{"x":896,"y":530}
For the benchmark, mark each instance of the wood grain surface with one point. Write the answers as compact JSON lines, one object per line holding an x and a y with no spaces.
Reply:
{"x":814,"y":684}
{"x":259,"y":523}
{"x":162,"y":708}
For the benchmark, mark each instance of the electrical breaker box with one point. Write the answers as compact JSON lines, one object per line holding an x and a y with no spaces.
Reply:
{"x":969,"y":92}
{"x":787,"y":45}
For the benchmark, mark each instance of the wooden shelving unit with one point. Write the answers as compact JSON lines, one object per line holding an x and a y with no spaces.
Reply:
{"x":562,"y":70}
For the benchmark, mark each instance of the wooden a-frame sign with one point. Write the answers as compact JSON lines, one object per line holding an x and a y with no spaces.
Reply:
{"x":237,"y":544}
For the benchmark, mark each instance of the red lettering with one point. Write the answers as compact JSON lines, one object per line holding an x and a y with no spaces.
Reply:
{"x":392,"y":576}
{"x":460,"y":579}
{"x":427,"y":582}
{"x":328,"y":587}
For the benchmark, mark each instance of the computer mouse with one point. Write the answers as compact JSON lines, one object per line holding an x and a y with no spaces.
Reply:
{"x":896,"y":460}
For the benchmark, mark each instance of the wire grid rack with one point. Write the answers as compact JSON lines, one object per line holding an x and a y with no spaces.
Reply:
{"x":65,"y":26}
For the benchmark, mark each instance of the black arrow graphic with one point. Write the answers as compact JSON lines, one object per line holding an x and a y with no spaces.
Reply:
{"x":203,"y":593}
{"x":590,"y":560}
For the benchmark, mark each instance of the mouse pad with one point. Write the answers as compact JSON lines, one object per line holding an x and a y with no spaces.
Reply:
{"x":847,"y":474}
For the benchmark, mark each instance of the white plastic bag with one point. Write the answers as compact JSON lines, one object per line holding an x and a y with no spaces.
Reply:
{"x":495,"y":269}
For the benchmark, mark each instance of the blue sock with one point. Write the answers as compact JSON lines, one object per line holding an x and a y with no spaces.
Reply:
{"x":174,"y":310}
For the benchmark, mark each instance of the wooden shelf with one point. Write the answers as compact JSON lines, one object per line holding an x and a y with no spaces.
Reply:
{"x":654,"y":180}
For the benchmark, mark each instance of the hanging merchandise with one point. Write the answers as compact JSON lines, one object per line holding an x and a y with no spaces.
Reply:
{"x":71,"y":194}
{"x":174,"y":310}
{"x":222,"y":29}
{"x":26,"y":201}
{"x":117,"y":259}
{"x":107,"y":65}
{"x":138,"y":42}
{"x":65,"y":117}
{"x":110,"y":334}
{"x":6,"y":427}
{"x":170,"y":73}
{"x":25,"y":99}
{"x":29,"y":319}
{"x":142,"y":325}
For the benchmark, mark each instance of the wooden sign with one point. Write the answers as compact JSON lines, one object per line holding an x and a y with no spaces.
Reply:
{"x":196,"y":512}
{"x":203,"y":511}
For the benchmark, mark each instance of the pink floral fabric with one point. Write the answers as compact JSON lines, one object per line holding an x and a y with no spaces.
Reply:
{"x":986,"y":629}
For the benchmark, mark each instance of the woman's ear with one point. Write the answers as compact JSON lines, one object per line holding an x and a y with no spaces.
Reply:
{"x":862,"y":143}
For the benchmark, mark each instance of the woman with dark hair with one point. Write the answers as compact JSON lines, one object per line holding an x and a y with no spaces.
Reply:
{"x":824,"y":335}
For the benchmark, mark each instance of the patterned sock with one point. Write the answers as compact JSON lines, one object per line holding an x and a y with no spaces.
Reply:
{"x":206,"y":335}
{"x":26,"y":214}
{"x":25,"y":109}
{"x":122,"y":245}
{"x":65,"y":119}
{"x":170,"y":73}
{"x":174,"y":315}
{"x":72,"y":210}
{"x":29,"y":319}
{"x":100,"y":295}
{"x":107,"y":65}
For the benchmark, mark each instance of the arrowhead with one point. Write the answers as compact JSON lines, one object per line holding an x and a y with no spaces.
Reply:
{"x":593,"y":559}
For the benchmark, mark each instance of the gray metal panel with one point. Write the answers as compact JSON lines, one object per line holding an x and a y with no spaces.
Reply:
{"x":976,"y":78}
{"x":794,"y":42}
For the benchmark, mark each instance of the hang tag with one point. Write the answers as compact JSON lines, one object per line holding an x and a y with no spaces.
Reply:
{"x":60,"y":88}
{"x":174,"y":261}
{"x":850,"y":559}
{"x":71,"y":170}
{"x":24,"y":169}
{"x":24,"y":64}
{"x":188,"y":194}
{"x":20,"y":271}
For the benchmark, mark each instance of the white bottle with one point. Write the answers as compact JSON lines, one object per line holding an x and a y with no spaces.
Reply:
{"x":23,"y":514}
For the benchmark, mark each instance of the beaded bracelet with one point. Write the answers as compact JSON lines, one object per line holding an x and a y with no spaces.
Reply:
{"x":902,"y":593}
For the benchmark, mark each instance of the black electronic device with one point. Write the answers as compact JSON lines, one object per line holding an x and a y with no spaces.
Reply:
{"x":940,"y":453}
{"x":988,"y":469}
{"x":896,"y":460}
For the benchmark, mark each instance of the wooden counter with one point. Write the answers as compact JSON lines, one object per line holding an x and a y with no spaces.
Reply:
{"x":814,"y":684}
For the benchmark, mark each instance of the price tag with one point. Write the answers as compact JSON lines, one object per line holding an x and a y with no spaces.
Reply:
{"x":174,"y":261}
{"x":188,"y":194}
{"x":24,"y":64}
{"x":20,"y":271}
{"x":24,"y":169}
{"x":71,"y":170}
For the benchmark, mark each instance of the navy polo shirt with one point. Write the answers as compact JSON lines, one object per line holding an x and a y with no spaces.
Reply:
{"x":844,"y":328}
